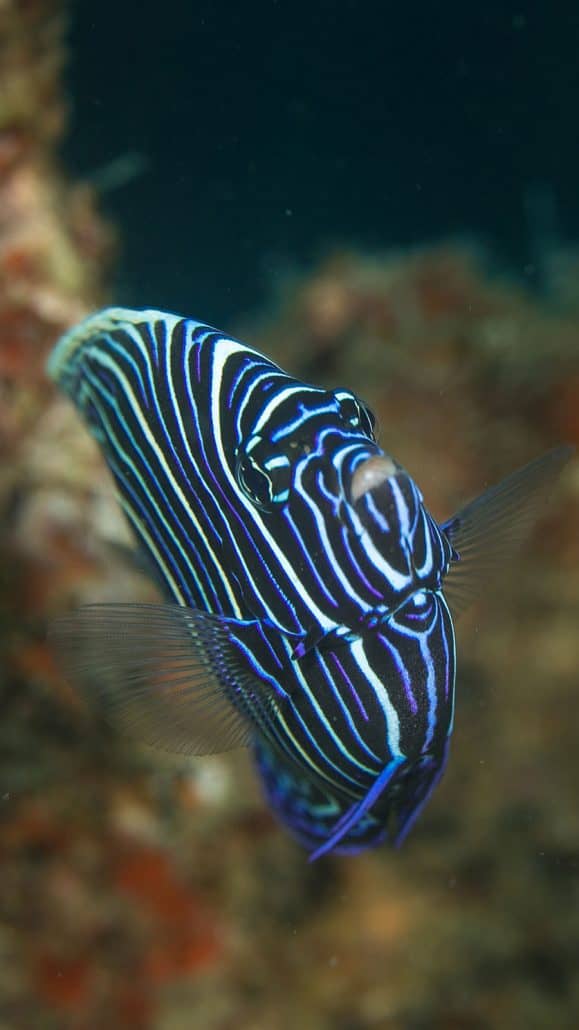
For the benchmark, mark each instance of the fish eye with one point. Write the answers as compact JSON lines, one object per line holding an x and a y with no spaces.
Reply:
{"x":263,"y":474}
{"x":355,"y":414}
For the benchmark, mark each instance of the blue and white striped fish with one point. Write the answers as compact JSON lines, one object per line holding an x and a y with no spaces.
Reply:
{"x":311,"y":591}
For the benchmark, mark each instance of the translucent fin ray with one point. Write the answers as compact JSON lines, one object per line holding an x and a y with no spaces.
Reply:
{"x":170,"y":676}
{"x":489,"y":529}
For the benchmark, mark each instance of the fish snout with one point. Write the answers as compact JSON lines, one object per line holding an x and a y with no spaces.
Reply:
{"x":370,"y":475}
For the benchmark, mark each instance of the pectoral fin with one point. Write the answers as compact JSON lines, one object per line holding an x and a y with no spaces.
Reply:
{"x":488,"y":530}
{"x":173,"y":677}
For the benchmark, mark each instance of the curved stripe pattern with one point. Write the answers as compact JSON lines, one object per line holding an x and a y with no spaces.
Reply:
{"x":236,"y":479}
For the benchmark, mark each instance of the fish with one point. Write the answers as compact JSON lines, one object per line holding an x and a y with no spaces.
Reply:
{"x":309,"y":596}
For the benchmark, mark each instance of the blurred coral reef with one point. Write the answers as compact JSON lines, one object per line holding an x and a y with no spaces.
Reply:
{"x":138,"y":892}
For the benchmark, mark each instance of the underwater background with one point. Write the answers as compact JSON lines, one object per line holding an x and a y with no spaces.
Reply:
{"x":377,"y":198}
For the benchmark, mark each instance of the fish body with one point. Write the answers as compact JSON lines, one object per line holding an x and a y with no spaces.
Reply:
{"x":308,"y":587}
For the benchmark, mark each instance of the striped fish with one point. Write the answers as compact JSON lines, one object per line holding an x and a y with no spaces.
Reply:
{"x":309,"y":591}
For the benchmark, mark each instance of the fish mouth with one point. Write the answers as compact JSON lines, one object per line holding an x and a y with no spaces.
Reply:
{"x":416,"y":601}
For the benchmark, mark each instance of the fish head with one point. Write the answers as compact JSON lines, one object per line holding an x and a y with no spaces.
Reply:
{"x":297,"y":446}
{"x":387,"y":511}
{"x":313,"y":467}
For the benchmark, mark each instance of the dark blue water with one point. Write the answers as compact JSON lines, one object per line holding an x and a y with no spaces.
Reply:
{"x":264,"y":133}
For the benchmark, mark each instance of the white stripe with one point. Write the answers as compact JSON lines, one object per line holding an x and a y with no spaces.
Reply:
{"x":397,"y":580}
{"x":392,"y":720}
{"x":134,"y":516}
{"x":107,"y":362}
{"x":280,"y":397}
{"x":223,"y":351}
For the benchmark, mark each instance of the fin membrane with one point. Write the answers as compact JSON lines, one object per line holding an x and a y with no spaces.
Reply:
{"x":489,"y":529}
{"x":170,"y":676}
